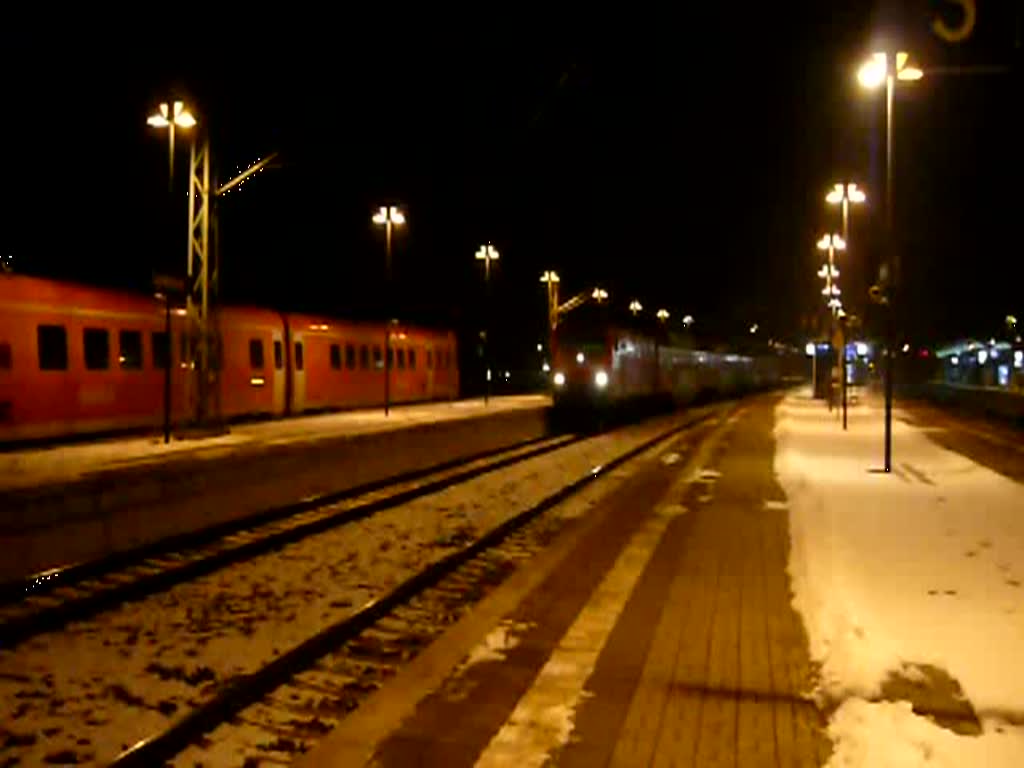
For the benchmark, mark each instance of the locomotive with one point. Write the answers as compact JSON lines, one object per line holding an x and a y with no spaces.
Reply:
{"x":78,"y":360}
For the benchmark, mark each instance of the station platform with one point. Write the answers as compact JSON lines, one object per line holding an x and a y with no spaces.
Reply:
{"x":659,"y":632}
{"x":68,"y":503}
{"x":772,"y":598}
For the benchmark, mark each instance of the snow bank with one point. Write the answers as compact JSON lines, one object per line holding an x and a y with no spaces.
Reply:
{"x":920,"y":566}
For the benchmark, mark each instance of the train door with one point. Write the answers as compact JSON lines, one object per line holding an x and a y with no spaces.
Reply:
{"x":298,"y":369}
{"x":279,"y":376}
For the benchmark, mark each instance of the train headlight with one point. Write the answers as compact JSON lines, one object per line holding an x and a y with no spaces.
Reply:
{"x":559,"y":379}
{"x":601,"y":379}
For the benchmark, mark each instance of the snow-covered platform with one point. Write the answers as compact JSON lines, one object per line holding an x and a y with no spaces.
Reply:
{"x":909,"y":583}
{"x":65,"y":503}
{"x":658,"y":632}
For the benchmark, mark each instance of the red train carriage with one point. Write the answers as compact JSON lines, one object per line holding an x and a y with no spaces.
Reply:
{"x":76,"y":360}
{"x":341,"y":364}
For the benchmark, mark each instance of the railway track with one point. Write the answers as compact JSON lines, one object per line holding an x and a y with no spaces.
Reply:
{"x":49,"y":601}
{"x":303,"y":692}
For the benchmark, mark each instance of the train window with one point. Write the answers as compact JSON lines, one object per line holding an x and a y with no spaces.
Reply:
{"x":52,"y":347}
{"x":97,"y":349}
{"x":278,"y":354}
{"x":391,"y":358}
{"x":160,"y":348}
{"x":299,"y":364}
{"x":130,"y":356}
{"x":350,"y":356}
{"x":412,"y":359}
{"x":430,"y":358}
{"x":336,"y":357}
{"x":364,"y":357}
{"x":256,"y":353}
{"x":5,"y":356}
{"x":377,"y":357}
{"x":401,"y":358}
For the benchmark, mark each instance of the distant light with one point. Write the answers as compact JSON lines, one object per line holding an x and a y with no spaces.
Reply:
{"x":180,"y":311}
{"x":954,"y":360}
{"x":856,"y":195}
{"x":1018,"y":359}
{"x":910,"y":73}
{"x":753,"y":328}
{"x":601,"y":379}
{"x":995,"y":353}
{"x":688,"y":321}
{"x":508,"y":375}
{"x":982,"y":356}
{"x":1004,"y":375}
{"x":546,"y":368}
{"x":540,"y":347}
{"x":580,"y":358}
{"x":835,"y":196}
{"x":559,"y":379}
{"x":906,"y":348}
{"x":809,"y":349}
{"x":257,"y":381}
{"x":862,"y":348}
{"x":488,"y":374}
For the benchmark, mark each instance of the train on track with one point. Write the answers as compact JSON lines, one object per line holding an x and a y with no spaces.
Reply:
{"x":78,"y":360}
{"x":601,"y":362}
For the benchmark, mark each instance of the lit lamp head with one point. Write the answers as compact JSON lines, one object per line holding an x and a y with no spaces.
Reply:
{"x":875,"y":70}
{"x":176,"y":114}
{"x":389,"y":214}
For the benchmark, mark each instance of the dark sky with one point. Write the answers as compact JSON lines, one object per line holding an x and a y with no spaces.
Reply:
{"x":680,"y":159}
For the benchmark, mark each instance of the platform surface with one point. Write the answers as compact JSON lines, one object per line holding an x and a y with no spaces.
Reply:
{"x":54,"y":464}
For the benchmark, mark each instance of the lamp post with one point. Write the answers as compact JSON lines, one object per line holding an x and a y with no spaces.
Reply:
{"x":487,"y":254}
{"x":662,"y":314}
{"x":169,"y":117}
{"x":872,"y":74}
{"x":635,"y":307}
{"x":599,"y":295}
{"x":844,"y":194}
{"x":551,"y":278}
{"x":831,"y":243}
{"x":388,"y":216}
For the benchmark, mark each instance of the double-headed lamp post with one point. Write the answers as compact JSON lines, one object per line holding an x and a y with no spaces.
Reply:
{"x":635,"y":307}
{"x":551,"y":278}
{"x":487,"y":254}
{"x":599,"y":295}
{"x":388,"y":216}
{"x":872,"y":74}
{"x":662,"y":314}
{"x":169,"y":117}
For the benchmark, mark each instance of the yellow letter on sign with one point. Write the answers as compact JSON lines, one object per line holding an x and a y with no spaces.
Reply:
{"x":962,"y":31}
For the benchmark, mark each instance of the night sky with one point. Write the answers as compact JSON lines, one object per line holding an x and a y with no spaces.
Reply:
{"x":679,"y":159}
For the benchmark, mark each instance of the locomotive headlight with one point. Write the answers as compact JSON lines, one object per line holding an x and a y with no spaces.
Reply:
{"x":601,"y":379}
{"x":559,"y":379}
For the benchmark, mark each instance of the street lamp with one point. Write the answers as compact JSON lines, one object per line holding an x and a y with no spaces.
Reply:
{"x":875,"y":71}
{"x":845,"y":193}
{"x":388,"y":216}
{"x":635,"y":307}
{"x":169,"y":117}
{"x":831,"y":243}
{"x":662,"y":314}
{"x":487,"y":254}
{"x":687,"y":321}
{"x":599,"y":295}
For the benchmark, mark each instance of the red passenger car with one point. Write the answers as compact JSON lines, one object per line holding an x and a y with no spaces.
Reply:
{"x":79,"y":360}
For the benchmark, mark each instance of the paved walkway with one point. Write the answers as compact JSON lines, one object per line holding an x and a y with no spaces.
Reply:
{"x":665,"y":638}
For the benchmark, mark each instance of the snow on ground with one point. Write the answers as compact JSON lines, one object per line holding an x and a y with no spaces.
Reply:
{"x":63,"y":463}
{"x":96,"y":688}
{"x":891,"y":572}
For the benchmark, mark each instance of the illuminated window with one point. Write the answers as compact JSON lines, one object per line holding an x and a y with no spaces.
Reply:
{"x":350,"y":356}
{"x":5,"y":356}
{"x":256,"y":353}
{"x":299,"y":364}
{"x":336,"y":357}
{"x":377,"y":357}
{"x":130,"y":356}
{"x":97,"y":349}
{"x":160,"y":347}
{"x":278,"y":354}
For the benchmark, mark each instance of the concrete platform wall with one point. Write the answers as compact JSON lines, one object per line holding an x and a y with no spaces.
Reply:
{"x":116,"y":510}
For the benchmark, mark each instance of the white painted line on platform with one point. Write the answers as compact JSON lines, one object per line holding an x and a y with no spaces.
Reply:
{"x":771,"y":505}
{"x":543,"y":719}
